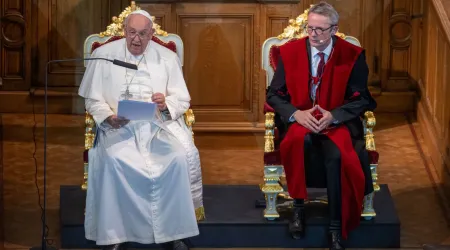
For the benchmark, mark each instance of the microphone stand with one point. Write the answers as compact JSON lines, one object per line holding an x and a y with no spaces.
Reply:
{"x":44,"y":224}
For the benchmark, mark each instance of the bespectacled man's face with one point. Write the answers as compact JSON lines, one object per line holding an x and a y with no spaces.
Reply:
{"x":138,"y":33}
{"x":319,"y":28}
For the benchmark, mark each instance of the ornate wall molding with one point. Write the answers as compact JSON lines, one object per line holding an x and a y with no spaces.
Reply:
{"x":13,"y":30}
{"x":14,"y":51}
{"x":399,"y":54}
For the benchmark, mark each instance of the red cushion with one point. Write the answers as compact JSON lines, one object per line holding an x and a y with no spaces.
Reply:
{"x":268,"y":108}
{"x":170,"y":45}
{"x":86,"y":156}
{"x":272,"y":158}
{"x":274,"y":54}
{"x":373,"y":157}
{"x":95,"y":45}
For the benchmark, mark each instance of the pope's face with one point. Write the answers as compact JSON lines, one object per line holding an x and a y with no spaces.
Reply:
{"x":138,"y":33}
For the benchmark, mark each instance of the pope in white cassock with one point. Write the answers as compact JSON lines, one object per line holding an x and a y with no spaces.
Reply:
{"x":144,"y":176}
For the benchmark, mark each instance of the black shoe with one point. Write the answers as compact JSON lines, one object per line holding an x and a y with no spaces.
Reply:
{"x":335,"y":241}
{"x":176,"y":245}
{"x":115,"y":247}
{"x":297,"y":225}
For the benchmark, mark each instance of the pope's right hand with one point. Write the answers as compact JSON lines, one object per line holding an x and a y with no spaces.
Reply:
{"x":307,"y":120}
{"x":116,"y":122}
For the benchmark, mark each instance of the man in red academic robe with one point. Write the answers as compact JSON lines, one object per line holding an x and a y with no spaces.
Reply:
{"x":319,"y":93}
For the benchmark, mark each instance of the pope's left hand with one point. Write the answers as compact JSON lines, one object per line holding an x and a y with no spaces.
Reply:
{"x":326,"y":119}
{"x":159,"y":99}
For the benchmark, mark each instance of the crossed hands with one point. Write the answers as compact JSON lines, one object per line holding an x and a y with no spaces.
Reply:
{"x":306,"y":118}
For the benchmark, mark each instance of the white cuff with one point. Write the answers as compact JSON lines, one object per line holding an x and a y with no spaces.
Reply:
{"x":292,"y":119}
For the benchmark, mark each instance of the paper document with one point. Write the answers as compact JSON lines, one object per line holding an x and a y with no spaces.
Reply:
{"x":136,"y":110}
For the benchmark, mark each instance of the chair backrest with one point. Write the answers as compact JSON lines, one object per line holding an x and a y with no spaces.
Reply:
{"x":115,"y":31}
{"x":296,"y":29}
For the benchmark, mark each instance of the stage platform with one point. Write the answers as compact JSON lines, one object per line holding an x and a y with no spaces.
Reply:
{"x":233,"y":220}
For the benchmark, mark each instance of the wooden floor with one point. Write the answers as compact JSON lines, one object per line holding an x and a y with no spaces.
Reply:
{"x":404,"y":165}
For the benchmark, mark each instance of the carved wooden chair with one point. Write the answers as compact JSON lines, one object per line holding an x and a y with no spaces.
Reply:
{"x":273,"y":169}
{"x":114,"y":32}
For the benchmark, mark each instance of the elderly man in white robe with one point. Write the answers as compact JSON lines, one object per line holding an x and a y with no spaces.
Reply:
{"x":144,"y":176}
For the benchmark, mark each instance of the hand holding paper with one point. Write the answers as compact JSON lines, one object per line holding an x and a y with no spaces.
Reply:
{"x":159,"y":99}
{"x":137,"y":110}
{"x":116,"y":122}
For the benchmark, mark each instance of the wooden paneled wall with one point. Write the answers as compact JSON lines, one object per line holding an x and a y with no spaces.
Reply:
{"x":434,"y":85}
{"x":1,"y":187}
{"x":223,"y":42}
{"x":15,"y":48}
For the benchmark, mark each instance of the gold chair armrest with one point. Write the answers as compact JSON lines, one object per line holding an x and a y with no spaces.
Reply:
{"x":189,"y":119}
{"x":369,"y":124}
{"x":89,"y":136}
{"x":269,"y":145}
{"x":89,"y":133}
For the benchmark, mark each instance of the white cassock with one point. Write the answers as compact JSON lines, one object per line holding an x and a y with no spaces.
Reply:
{"x":144,"y":178}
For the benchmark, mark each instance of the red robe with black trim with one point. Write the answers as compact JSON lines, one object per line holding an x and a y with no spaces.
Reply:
{"x":330,"y":94}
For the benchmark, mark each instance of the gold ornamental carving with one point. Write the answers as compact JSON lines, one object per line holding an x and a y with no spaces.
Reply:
{"x":189,"y":119}
{"x":269,"y":136}
{"x":116,"y":27}
{"x":89,"y":135}
{"x":370,"y":121}
{"x":297,"y":27}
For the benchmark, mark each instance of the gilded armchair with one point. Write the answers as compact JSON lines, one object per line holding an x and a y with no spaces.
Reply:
{"x":273,"y":169}
{"x":114,"y":32}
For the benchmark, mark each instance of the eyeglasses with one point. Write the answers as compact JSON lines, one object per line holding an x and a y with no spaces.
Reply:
{"x":141,"y":34}
{"x":318,"y":30}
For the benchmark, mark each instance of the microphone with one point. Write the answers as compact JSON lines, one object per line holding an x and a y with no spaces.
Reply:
{"x":115,"y":62}
{"x":123,"y":64}
{"x":44,"y":224}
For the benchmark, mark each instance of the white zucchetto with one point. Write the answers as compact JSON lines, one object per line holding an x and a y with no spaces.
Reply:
{"x":142,"y":12}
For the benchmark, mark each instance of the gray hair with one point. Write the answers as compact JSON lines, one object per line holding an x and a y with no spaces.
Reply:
{"x":325,"y":9}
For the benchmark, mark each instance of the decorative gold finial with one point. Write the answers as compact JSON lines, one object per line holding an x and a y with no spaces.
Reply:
{"x":133,"y":5}
{"x":297,"y":27}
{"x":116,"y":27}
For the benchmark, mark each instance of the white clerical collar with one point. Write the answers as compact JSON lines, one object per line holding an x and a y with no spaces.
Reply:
{"x":131,"y":57}
{"x":326,"y":51}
